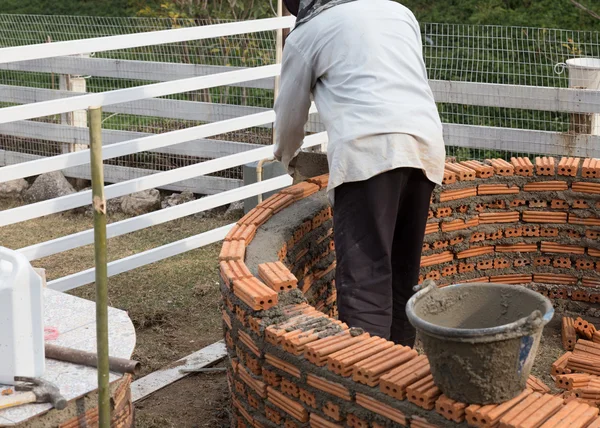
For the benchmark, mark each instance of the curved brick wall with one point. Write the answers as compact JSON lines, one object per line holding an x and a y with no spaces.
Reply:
{"x":294,"y":365}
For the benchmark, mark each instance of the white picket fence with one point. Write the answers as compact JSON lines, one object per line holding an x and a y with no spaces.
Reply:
{"x":21,"y":165}
{"x":36,"y":103}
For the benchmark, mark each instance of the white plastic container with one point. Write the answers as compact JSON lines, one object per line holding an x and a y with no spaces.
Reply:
{"x":21,"y":318}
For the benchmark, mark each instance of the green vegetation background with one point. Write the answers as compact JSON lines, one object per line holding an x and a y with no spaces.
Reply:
{"x":534,"y":13}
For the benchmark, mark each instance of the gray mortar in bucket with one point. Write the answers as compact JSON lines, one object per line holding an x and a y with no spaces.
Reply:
{"x":481,"y":338}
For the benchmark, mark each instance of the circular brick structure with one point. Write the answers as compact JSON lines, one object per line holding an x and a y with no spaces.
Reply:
{"x":293,"y":364}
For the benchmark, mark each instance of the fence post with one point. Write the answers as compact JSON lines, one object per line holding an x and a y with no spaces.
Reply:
{"x":99,"y":206}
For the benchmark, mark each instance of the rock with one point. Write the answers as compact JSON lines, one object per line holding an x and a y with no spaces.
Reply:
{"x":177,"y":199}
{"x":48,"y":186}
{"x":13,"y":188}
{"x":141,"y":202}
{"x":235,"y":210}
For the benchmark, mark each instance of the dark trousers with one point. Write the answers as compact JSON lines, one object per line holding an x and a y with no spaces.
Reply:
{"x":379,"y":225}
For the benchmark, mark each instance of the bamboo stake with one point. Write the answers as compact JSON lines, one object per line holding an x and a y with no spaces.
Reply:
{"x":99,"y":205}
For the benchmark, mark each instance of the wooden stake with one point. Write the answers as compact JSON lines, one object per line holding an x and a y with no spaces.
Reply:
{"x":99,"y":206}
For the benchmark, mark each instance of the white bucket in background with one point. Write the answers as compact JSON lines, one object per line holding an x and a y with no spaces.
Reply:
{"x":585,"y":72}
{"x":21,"y":318}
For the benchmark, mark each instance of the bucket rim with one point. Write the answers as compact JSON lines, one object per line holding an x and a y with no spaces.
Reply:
{"x":474,"y":333}
{"x":584,"y":63}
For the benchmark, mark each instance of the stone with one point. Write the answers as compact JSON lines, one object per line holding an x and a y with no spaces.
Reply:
{"x":13,"y":188}
{"x":177,"y":199}
{"x":141,"y":202}
{"x":235,"y":210}
{"x":48,"y":186}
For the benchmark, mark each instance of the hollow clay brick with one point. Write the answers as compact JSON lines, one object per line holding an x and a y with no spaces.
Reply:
{"x":321,"y":180}
{"x":282,"y":365}
{"x":452,"y":195}
{"x":290,"y":388}
{"x":511,"y":279}
{"x":353,"y":421}
{"x":317,"y":352}
{"x":443,"y":212}
{"x":592,"y":234}
{"x":243,"y":232}
{"x":277,"y":276}
{"x":549,"y":232}
{"x":459,"y":224}
{"x":271,"y":377}
{"x":546,"y":186}
{"x":332,"y":411}
{"x":537,"y":203}
{"x":524,"y":407}
{"x":317,"y":421}
{"x":523,"y":166}
{"x":497,"y":189}
{"x":477,"y":237}
{"x":475,"y":252}
{"x":423,"y":393}
{"x":456,"y":240}
{"x":544,"y":217}
{"x":593,"y":252}
{"x":559,"y":204}
{"x":551,"y":405}
{"x":380,"y":408}
{"x":342,"y":362}
{"x":227,"y":319}
{"x":545,"y":165}
{"x":513,"y":232}
{"x":555,"y":248}
{"x":449,"y":177}
{"x":587,"y":221}
{"x":450,"y":409}
{"x":329,"y":387}
{"x":254,"y":293}
{"x":531,"y":231}
{"x":258,"y":386}
{"x":585,"y":329}
{"x":462,"y":172}
{"x":580,"y":296}
{"x":515,"y":203}
{"x":481,"y":170}
{"x":569,"y":336}
{"x":474,"y":280}
{"x":521,"y":262}
{"x":573,"y":415}
{"x":590,"y":365}
{"x":580,"y":204}
{"x":256,"y":217}
{"x":562,"y":262}
{"x":370,"y":370}
{"x":436,"y":259}
{"x":537,"y":385}
{"x":273,"y":415}
{"x":431,"y":228}
{"x":397,"y":381}
{"x":568,"y":167}
{"x":289,"y":406}
{"x":489,"y":416}
{"x":590,"y":168}
{"x":504,"y":217}
{"x":555,"y":278}
{"x":232,"y":270}
{"x":233,"y":250}
{"x":501,"y":167}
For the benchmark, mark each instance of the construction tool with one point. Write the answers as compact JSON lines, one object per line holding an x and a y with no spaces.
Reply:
{"x":117,"y":365}
{"x":309,"y":164}
{"x":35,"y":390}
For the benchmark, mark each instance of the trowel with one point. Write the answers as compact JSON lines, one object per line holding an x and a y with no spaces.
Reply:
{"x":309,"y":164}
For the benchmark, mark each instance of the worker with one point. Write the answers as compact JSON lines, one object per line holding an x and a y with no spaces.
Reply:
{"x":362,"y":62}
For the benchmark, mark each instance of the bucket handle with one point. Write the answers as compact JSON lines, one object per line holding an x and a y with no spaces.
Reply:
{"x":559,"y":68}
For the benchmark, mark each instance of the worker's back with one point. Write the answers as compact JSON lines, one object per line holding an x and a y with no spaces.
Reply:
{"x":369,"y":76}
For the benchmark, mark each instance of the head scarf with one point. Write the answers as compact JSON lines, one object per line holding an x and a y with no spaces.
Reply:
{"x":305,"y":10}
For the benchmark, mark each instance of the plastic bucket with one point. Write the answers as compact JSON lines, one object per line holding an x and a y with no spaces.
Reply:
{"x":584,"y":73}
{"x":481,"y":339}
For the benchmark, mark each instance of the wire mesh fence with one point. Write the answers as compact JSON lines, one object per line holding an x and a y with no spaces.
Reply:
{"x":533,"y":57}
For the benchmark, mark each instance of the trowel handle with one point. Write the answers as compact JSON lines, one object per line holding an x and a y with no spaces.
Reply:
{"x":17,"y":399}
{"x":428,"y":283}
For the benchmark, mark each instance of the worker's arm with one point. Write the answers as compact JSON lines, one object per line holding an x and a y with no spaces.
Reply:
{"x":292,"y":105}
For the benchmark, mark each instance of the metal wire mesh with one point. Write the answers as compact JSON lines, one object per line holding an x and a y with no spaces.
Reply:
{"x":464,"y":53}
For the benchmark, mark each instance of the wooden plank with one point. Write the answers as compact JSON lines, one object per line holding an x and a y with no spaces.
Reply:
{"x":128,"y":69}
{"x":521,"y":140}
{"x":204,"y":148}
{"x":206,"y":185}
{"x":153,"y":382}
{"x":516,"y":96}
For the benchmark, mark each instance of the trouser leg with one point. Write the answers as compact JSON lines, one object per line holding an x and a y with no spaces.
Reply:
{"x":406,"y":252}
{"x":365,"y":218}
